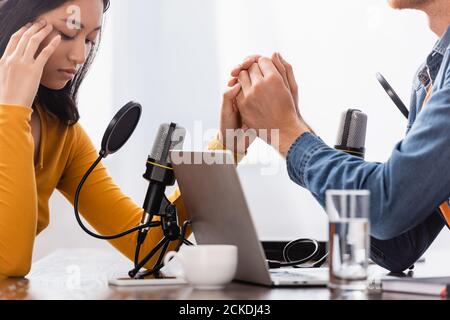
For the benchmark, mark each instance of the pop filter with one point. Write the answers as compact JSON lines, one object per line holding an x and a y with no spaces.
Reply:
{"x":121,"y":128}
{"x":393,"y":95}
{"x":116,"y":135}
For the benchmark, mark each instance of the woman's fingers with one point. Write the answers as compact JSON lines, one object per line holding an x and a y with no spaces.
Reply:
{"x":244,"y":80}
{"x":245,"y":65}
{"x":15,"y":38}
{"x":232,"y":82}
{"x":24,"y":75}
{"x":35,"y":42}
{"x":239,"y":100}
{"x":23,"y":42}
{"x":46,"y":53}
{"x":228,"y":98}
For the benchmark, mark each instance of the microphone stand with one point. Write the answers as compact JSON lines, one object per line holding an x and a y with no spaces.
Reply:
{"x":162,"y":174}
{"x":172,"y":232}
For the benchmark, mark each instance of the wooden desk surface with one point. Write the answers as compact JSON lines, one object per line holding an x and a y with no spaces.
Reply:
{"x":84,"y":274}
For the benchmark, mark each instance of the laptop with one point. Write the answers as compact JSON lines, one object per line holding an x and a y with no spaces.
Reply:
{"x":216,"y":205}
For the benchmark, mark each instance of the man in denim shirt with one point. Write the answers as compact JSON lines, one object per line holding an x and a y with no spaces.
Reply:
{"x":407,"y":190}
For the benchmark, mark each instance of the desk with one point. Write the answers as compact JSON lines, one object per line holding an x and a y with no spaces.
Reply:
{"x":83,"y":274}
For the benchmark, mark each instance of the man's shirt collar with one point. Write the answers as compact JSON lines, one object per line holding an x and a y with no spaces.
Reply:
{"x":443,"y":43}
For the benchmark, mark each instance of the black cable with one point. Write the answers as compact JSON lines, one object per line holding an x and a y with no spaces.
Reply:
{"x":77,"y":214}
{"x":136,"y":253}
{"x":183,"y":236}
{"x":319,"y":262}
{"x":278,"y":264}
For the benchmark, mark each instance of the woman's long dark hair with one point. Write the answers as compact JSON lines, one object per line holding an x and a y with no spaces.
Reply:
{"x":14,"y":14}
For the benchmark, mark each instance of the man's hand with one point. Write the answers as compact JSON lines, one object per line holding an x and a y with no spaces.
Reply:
{"x":284,"y":68}
{"x":266,"y":102}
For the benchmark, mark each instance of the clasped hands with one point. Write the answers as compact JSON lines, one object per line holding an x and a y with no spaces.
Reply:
{"x":262,"y":102}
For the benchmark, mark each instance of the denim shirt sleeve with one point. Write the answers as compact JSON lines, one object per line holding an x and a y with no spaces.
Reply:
{"x":404,"y":190}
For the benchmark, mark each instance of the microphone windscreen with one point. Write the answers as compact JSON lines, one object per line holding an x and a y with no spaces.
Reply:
{"x":174,"y":142}
{"x":352,"y":131}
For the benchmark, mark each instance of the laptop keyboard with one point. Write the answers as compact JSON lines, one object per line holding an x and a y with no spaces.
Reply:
{"x":299,"y":274}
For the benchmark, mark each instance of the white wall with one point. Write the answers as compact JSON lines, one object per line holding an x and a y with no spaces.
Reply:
{"x":174,"y":56}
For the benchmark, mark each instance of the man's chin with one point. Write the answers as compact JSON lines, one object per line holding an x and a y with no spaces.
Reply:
{"x":397,"y":4}
{"x":407,"y":4}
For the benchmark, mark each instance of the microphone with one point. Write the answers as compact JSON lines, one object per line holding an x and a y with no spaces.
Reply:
{"x":159,"y":173}
{"x":159,"y":170}
{"x":352,"y":133}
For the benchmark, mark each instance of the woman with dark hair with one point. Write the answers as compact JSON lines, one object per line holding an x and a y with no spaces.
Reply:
{"x":16,"y":14}
{"x":46,"y":47}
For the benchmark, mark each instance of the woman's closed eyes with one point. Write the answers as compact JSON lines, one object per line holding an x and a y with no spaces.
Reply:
{"x":66,"y":37}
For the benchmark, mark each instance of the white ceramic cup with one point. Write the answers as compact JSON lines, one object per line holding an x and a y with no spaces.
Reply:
{"x":206,"y":266}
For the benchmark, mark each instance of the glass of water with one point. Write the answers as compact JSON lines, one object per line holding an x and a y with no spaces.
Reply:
{"x":349,"y":236}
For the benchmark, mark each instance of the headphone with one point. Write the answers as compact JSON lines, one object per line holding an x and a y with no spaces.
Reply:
{"x":312,"y":260}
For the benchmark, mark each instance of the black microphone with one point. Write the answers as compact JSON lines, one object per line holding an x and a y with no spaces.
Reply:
{"x":159,"y":168}
{"x":159,"y":171}
{"x":352,"y":133}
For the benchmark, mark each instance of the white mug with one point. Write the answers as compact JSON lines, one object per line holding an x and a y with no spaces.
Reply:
{"x":206,"y":266}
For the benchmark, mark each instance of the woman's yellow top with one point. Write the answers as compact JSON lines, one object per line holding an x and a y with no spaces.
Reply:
{"x":65,"y":154}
